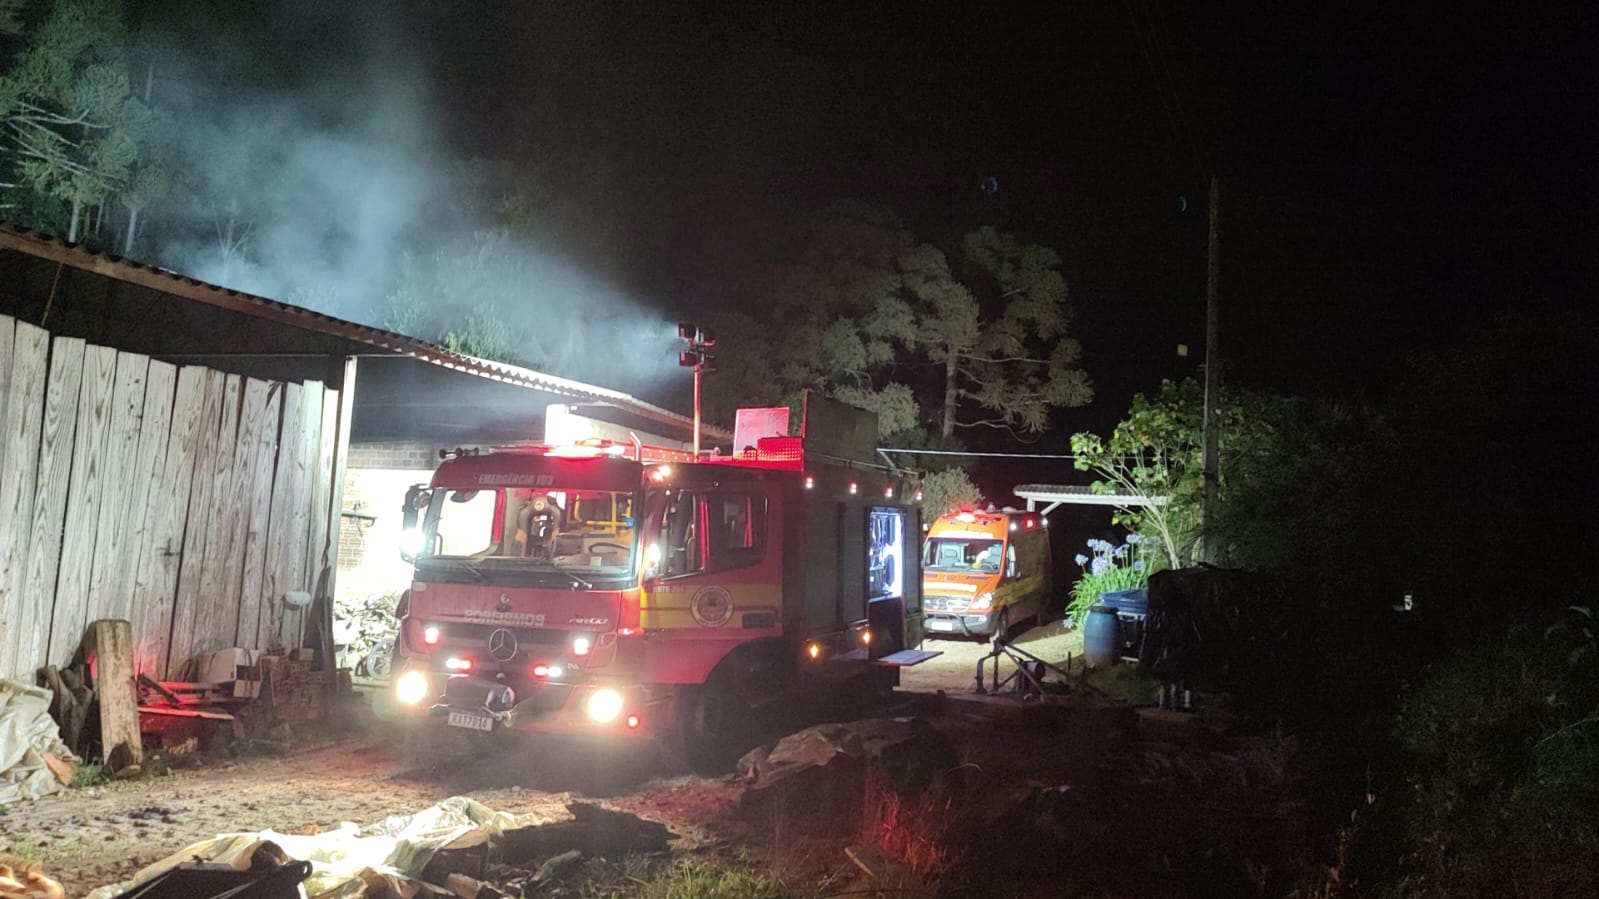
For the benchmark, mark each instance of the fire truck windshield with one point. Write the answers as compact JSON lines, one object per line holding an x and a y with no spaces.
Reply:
{"x":529,"y":537}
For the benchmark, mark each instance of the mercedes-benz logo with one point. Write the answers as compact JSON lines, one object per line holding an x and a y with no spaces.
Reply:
{"x":502,"y":645}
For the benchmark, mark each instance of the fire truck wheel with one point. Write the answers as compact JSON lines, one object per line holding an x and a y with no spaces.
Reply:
{"x":711,"y":726}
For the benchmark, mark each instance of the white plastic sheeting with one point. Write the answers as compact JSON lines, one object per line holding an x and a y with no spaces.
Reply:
{"x":349,"y":860}
{"x":27,"y":733}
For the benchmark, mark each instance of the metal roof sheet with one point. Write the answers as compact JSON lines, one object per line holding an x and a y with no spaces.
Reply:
{"x":77,"y":256}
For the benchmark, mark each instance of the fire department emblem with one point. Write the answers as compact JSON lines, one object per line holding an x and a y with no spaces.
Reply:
{"x":502,"y":645}
{"x":712,"y":606}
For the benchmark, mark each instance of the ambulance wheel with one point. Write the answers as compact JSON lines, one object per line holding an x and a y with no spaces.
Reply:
{"x":1001,"y":626}
{"x":712,"y":726}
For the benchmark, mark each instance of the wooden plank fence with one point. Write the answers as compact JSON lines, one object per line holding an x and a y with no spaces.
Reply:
{"x":180,"y":499}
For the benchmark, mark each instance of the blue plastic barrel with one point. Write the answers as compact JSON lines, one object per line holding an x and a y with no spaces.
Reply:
{"x":1101,"y":637}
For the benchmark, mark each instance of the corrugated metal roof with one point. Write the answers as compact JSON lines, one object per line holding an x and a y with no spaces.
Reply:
{"x":79,"y":257}
{"x":1077,"y":494}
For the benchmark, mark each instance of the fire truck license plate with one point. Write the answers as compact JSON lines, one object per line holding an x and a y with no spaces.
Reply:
{"x":471,"y":720}
{"x":940,"y":625}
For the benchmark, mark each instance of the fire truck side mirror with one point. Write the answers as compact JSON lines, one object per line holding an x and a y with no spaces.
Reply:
{"x":416,"y":499}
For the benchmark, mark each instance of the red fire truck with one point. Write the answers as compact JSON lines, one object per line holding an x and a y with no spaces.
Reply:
{"x":617,"y":589}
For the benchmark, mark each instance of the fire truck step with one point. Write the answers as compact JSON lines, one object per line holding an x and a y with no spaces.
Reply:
{"x":906,"y":658}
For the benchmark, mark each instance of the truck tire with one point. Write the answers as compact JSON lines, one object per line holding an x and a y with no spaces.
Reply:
{"x":1001,"y":626}
{"x":712,"y":726}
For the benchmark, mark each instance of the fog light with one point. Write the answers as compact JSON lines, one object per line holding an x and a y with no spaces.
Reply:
{"x":456,"y":664}
{"x":581,"y":647}
{"x":813,"y":650}
{"x":866,"y":636}
{"x":604,"y":705}
{"x":633,"y":722}
{"x":431,"y":635}
{"x":412,"y":687}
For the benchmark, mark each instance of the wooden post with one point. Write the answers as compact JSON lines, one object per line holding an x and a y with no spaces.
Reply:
{"x":326,"y":582}
{"x":108,"y":647}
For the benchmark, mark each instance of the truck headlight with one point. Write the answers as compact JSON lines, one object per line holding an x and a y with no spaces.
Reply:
{"x":604,"y":705}
{"x":982,"y":603}
{"x":412,"y":687}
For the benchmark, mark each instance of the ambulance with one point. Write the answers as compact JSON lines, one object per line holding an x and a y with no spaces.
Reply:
{"x":984,"y":572}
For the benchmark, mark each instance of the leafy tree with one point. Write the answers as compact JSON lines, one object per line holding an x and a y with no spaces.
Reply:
{"x":153,"y":181}
{"x":1016,"y":365}
{"x":11,"y":16}
{"x":457,"y":295}
{"x":1305,"y":492}
{"x":70,"y":126}
{"x":948,"y":490}
{"x":1153,"y":458}
{"x":830,"y":314}
{"x":870,"y":315}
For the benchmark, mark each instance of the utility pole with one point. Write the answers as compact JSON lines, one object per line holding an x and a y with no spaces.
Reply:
{"x":1211,"y":466}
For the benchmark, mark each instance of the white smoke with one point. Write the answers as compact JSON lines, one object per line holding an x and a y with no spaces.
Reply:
{"x":319,"y":193}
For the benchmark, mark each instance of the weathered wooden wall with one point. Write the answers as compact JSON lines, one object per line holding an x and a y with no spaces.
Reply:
{"x":183,"y":500}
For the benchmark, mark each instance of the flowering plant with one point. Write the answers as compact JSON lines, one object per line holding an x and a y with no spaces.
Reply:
{"x":1109,"y":568}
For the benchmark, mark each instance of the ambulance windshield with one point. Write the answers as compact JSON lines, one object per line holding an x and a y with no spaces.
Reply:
{"x":966,"y":554}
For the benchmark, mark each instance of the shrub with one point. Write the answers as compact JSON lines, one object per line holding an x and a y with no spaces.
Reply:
{"x":1501,"y":747}
{"x":1111,"y":568}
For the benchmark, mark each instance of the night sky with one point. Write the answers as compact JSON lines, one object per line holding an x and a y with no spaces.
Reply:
{"x":1394,"y":177}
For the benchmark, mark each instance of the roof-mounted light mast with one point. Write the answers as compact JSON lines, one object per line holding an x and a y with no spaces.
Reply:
{"x":695,"y":357}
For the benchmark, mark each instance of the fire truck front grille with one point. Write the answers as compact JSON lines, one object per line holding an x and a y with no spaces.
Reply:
{"x":525,"y":636}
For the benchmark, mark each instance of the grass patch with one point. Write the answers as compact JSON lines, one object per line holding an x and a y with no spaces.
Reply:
{"x":19,"y":854}
{"x":1122,"y":681}
{"x":920,"y":835}
{"x":89,"y":774}
{"x":689,"y":879}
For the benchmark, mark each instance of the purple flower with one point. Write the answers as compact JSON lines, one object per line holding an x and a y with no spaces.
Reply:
{"x":1138,"y":565}
{"x":1082,"y":559}
{"x":1134,"y":539}
{"x":1100,"y":565}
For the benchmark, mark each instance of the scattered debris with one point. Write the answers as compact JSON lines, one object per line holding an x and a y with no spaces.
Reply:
{"x":822,"y":772}
{"x":31,"y":885}
{"x":458,"y":847}
{"x":33,"y":760}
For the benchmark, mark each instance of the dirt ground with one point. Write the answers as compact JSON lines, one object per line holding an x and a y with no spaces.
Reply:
{"x":1087,"y":773}
{"x":955,"y":670}
{"x":103,"y":834}
{"x":98,"y":835}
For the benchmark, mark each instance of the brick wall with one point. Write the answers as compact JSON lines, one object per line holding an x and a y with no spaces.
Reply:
{"x":375,"y":482}
{"x":394,"y":455}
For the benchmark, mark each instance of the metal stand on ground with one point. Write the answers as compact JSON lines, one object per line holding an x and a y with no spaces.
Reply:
{"x":1029,"y":673}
